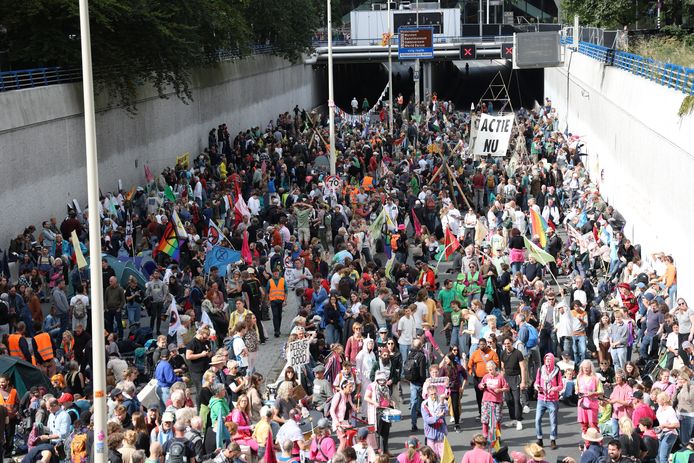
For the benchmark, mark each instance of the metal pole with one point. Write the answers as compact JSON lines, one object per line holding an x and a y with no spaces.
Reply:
{"x":479,"y":17}
{"x":331,"y":102}
{"x":416,"y":73}
{"x":390,"y":73}
{"x":97,"y":302}
{"x":488,"y":11}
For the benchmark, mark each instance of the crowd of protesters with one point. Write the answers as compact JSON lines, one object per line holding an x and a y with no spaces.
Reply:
{"x":418,"y":237}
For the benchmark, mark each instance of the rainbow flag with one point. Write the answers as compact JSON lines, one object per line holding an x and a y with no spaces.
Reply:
{"x":538,"y":226}
{"x":168,"y":243}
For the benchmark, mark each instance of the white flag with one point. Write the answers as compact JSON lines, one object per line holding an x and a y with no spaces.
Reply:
{"x":174,"y":320}
{"x":180,"y":229}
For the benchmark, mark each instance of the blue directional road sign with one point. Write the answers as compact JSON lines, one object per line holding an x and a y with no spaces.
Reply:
{"x":416,"y":43}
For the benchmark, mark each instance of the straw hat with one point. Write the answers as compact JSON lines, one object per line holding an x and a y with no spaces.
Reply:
{"x":536,"y":452}
{"x":592,"y":435}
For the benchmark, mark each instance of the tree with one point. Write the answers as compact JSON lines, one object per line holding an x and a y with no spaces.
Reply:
{"x":600,"y":13}
{"x":153,"y":41}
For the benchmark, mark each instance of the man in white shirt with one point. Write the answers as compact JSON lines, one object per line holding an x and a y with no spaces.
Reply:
{"x":470,"y":226}
{"x":254,"y":204}
{"x":406,"y":331}
{"x":377,"y":307}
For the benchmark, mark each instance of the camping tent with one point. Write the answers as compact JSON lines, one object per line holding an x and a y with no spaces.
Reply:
{"x":22,"y":374}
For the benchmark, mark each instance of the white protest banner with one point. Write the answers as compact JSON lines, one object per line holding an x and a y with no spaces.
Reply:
{"x":297,"y":353}
{"x":493,"y":135}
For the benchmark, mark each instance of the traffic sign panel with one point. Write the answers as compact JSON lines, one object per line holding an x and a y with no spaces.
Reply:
{"x":468,"y":51}
{"x":416,"y":43}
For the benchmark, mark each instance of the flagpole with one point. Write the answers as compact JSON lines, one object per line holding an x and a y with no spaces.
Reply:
{"x":97,"y":303}
{"x":331,"y":97}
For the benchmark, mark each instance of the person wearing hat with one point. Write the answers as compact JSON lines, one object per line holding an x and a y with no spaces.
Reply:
{"x":595,"y":452}
{"x":535,"y":452}
{"x":322,"y":389}
{"x":479,"y":453}
{"x":364,"y":450}
{"x":322,"y":447}
{"x":378,"y":399}
{"x":163,"y":433}
{"x":411,"y":454}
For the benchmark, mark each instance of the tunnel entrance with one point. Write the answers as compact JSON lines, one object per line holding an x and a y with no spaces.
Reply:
{"x":449,"y":80}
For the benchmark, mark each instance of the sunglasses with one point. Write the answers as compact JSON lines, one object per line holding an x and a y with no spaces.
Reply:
{"x":391,"y":343}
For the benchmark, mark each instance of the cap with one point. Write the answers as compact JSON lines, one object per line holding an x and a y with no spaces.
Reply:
{"x":319,"y":369}
{"x":363,"y":433}
{"x":412,"y":442}
{"x":172,"y":348}
{"x":168,"y":416}
{"x":115,"y":393}
{"x":380,"y":376}
{"x":637,"y":394}
{"x":66,"y":398}
{"x":323,"y":423}
{"x":383,"y":329}
{"x":297,"y":329}
{"x":649,"y":296}
{"x":250,"y":270}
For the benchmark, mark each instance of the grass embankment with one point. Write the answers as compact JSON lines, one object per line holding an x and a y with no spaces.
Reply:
{"x":676,"y":48}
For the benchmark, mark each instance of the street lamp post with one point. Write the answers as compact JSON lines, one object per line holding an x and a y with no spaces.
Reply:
{"x":390,"y":72}
{"x":97,"y":302}
{"x":331,"y":102}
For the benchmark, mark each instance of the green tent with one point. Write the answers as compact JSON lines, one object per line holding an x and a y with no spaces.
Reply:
{"x":23,"y":375}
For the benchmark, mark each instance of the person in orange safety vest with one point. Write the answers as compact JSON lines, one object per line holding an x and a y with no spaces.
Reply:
{"x":18,"y":345}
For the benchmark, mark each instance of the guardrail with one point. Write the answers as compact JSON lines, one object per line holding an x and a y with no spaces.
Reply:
{"x":673,"y":76}
{"x":376,"y":41}
{"x":41,"y":77}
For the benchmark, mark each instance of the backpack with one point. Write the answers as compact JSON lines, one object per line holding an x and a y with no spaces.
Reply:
{"x":532,"y":336}
{"x":410,"y":370}
{"x":78,"y":448}
{"x":491,"y":183}
{"x":430,"y":202}
{"x":176,"y":453}
{"x":362,"y":454}
{"x":79,"y":311}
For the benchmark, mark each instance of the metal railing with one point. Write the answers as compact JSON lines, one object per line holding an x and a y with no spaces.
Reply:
{"x":376,"y":41}
{"x":673,"y":76}
{"x":41,"y":77}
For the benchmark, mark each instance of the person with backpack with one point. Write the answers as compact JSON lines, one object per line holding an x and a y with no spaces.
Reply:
{"x":79,"y":303}
{"x":365,"y":452}
{"x":527,"y":343}
{"x":415,"y":371}
{"x":322,"y":447}
{"x":178,"y":448}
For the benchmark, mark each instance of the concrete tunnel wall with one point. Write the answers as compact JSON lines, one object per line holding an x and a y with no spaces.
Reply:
{"x":640,"y":152}
{"x":42,"y":132}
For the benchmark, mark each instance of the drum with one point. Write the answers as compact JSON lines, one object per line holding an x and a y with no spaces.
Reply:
{"x":392,"y":415}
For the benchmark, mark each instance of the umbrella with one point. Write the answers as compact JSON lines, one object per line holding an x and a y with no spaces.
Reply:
{"x":131,"y":270}
{"x":22,"y":374}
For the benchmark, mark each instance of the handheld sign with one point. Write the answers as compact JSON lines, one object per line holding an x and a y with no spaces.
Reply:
{"x":333,"y":183}
{"x":297,"y":353}
{"x":493,"y":135}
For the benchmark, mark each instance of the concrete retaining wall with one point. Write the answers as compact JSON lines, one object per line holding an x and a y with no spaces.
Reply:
{"x":42,"y":132}
{"x":639,"y":149}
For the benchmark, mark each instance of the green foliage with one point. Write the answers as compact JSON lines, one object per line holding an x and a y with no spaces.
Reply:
{"x":687,"y":106}
{"x":600,"y":13}
{"x":154,"y":41}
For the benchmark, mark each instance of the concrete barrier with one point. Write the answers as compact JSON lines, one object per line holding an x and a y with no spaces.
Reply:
{"x":639,"y":151}
{"x":42,"y":132}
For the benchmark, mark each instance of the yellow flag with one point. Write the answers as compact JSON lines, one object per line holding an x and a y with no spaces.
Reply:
{"x":79,"y":257}
{"x":184,"y":160}
{"x":447,"y":456}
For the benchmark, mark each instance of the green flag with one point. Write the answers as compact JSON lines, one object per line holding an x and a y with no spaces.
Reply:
{"x":542,"y":257}
{"x":168,"y":192}
{"x":377,"y":225}
{"x":389,"y":267}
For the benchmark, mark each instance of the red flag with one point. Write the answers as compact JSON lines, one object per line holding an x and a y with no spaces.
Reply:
{"x":451,"y":243}
{"x":246,"y":250}
{"x":270,"y":456}
{"x":417,"y":225}
{"x":148,"y":174}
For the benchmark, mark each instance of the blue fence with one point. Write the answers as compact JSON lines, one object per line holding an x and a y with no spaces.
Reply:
{"x":40,"y":77}
{"x":670,"y":75}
